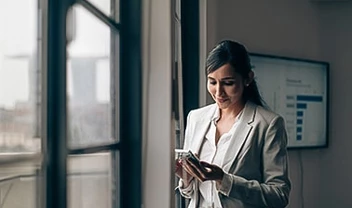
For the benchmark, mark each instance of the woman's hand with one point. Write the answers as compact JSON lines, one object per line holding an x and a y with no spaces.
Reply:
{"x":182,"y":173}
{"x":203,"y":171}
{"x":213,"y":172}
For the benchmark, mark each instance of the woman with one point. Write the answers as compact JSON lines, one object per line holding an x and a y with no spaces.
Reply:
{"x":241,"y":144}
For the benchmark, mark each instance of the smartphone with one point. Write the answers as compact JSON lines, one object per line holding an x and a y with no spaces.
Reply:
{"x":194,"y":160}
{"x":180,"y":153}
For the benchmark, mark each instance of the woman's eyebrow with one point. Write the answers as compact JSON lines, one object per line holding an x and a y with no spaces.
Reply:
{"x":228,"y":78}
{"x":224,"y":78}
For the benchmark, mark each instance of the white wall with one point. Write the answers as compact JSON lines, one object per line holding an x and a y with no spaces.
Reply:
{"x":158,"y":142}
{"x":336,"y":30}
{"x":311,"y":30}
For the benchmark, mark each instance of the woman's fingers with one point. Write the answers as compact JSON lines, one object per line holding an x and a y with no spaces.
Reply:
{"x":193,"y":170}
{"x":182,"y":173}
{"x":214,"y":172}
{"x":202,"y":171}
{"x":178,"y":164}
{"x":207,"y":167}
{"x":178,"y":168}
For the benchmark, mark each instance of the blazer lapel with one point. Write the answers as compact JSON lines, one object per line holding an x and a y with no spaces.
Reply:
{"x":200,"y":129}
{"x":240,"y":136}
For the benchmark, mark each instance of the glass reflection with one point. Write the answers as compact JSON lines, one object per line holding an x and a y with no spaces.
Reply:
{"x":19,"y":77}
{"x":88,"y":78}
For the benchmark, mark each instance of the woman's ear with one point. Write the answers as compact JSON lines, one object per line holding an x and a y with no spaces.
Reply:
{"x":250,"y":78}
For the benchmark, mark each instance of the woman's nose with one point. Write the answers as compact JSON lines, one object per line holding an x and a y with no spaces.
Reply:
{"x":219,"y":90}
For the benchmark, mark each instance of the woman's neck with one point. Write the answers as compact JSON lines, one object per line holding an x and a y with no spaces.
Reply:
{"x":232,"y":111}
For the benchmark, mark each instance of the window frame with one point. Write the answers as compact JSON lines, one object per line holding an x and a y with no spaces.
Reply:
{"x":129,"y":145}
{"x":52,"y":58}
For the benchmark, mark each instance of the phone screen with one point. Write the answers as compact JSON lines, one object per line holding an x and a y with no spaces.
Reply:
{"x":194,"y":160}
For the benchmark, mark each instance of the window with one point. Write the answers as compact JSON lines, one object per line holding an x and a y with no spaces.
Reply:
{"x":20,"y":132}
{"x":63,"y":140}
{"x":90,"y":110}
{"x":101,"y":138}
{"x":88,"y":82}
{"x":19,"y":84}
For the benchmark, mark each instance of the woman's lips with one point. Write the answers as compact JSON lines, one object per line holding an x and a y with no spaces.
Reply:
{"x":221,"y":100}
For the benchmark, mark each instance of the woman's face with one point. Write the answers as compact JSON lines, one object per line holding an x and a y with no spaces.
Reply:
{"x":226,"y":87}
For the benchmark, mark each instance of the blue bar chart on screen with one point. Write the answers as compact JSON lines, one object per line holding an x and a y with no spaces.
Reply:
{"x":297,"y":89}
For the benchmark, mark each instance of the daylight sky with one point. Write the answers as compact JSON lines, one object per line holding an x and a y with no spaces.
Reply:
{"x":18,"y":36}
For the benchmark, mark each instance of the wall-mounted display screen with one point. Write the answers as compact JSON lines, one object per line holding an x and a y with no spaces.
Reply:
{"x":296,"y":89}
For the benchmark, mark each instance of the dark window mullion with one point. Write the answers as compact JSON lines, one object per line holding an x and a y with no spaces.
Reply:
{"x":130,"y":104}
{"x":100,"y":15}
{"x":94,"y":149}
{"x":56,"y":115}
{"x":114,"y":74}
{"x":114,"y":99}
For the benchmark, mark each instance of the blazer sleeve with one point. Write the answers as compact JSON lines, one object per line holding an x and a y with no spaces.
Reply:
{"x":275,"y":188}
{"x":188,"y":191}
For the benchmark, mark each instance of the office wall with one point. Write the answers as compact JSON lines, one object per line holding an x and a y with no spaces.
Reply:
{"x":158,"y":139}
{"x":336,"y":30}
{"x":318,"y":30}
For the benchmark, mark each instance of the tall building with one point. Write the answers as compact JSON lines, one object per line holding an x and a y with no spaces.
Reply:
{"x":83,"y":81}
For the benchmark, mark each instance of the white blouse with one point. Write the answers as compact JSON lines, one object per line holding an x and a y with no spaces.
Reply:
{"x":214,"y":154}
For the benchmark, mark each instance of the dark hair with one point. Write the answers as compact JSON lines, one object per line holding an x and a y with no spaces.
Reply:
{"x":235,"y":54}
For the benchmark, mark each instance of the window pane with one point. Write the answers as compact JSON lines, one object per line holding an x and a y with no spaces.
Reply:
{"x":19,"y":184}
{"x":106,"y":5}
{"x":89,"y":86}
{"x":19,"y":77}
{"x":102,"y":5}
{"x":90,"y":181}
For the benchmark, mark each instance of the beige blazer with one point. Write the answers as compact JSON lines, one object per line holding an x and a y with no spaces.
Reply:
{"x":255,"y":165}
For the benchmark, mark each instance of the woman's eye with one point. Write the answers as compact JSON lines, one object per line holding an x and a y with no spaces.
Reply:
{"x":229,"y":83}
{"x":212,"y":83}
